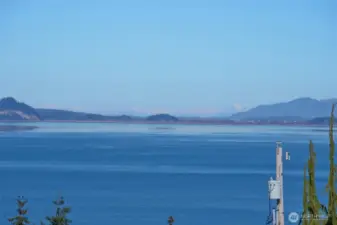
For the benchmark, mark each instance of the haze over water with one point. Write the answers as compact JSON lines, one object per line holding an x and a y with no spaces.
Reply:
{"x":135,"y":174}
{"x":185,"y":58}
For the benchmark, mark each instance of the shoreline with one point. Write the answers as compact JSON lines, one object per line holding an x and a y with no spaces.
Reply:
{"x":182,"y":122}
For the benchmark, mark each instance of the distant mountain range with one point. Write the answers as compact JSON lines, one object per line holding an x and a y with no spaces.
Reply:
{"x":65,"y":115}
{"x":298,"y":111}
{"x":12,"y":110}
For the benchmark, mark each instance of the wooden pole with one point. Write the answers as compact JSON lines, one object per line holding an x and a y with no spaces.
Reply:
{"x":279,"y":177}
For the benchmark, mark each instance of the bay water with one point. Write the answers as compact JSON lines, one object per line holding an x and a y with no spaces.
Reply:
{"x":137,"y":174}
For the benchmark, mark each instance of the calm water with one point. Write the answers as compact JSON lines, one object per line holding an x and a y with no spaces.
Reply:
{"x":134,"y":174}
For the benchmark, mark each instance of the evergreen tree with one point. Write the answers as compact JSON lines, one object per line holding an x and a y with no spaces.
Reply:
{"x":314,"y":206}
{"x":305,"y":198}
{"x":21,"y":218}
{"x":170,"y":220}
{"x":332,"y":176}
{"x":62,"y":212}
{"x":311,"y":204}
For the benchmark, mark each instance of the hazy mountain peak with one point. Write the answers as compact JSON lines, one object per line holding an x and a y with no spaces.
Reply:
{"x":304,"y":99}
{"x":10,"y":109}
{"x":301,"y":107}
{"x":8,"y":100}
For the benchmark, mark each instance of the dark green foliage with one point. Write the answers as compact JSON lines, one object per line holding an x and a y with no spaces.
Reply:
{"x":170,"y":220}
{"x":314,"y":206}
{"x":62,"y":212}
{"x":311,"y":204}
{"x":305,"y":197}
{"x":21,"y":218}
{"x":331,"y":182}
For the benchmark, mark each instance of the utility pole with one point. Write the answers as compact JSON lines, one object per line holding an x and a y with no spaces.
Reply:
{"x":279,"y":177}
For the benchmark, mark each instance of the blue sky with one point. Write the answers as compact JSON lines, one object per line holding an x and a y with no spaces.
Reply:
{"x":177,"y":56}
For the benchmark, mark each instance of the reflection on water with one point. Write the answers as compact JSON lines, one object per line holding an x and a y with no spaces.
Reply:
{"x":66,"y":167}
{"x":171,"y":129}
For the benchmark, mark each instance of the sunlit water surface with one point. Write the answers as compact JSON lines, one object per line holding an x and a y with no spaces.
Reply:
{"x":130,"y":174}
